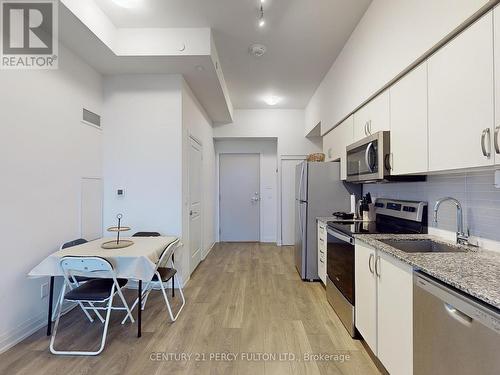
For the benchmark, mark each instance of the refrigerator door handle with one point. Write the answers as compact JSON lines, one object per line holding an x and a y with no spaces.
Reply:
{"x":300,"y":182}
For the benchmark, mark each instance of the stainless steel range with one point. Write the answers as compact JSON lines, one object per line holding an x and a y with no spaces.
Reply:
{"x":392,"y":216}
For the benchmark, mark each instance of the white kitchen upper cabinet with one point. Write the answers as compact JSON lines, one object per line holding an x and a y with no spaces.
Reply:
{"x":409,"y":123}
{"x":496,"y":133}
{"x":365,"y":284}
{"x":373,"y":117}
{"x":335,"y":143}
{"x":394,"y":315}
{"x":461,"y":87}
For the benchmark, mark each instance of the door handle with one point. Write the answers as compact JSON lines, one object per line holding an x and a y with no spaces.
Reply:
{"x":369,"y":123}
{"x":366,"y":126}
{"x":486,"y":153}
{"x":457,"y":314}
{"x":367,"y":157}
{"x":497,"y":142}
{"x":377,"y":260}
{"x":370,"y":263}
{"x":388,"y":161}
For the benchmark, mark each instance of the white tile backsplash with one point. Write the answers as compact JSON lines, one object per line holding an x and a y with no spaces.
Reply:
{"x":475,"y":190}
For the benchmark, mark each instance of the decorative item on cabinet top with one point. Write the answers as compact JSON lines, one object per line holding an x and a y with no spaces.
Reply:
{"x":316,"y":157}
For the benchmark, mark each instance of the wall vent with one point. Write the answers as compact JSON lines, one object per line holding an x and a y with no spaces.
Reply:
{"x":91,"y":118}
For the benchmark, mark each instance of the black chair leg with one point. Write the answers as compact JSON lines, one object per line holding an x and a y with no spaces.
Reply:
{"x":173,"y":282}
{"x":49,"y":315}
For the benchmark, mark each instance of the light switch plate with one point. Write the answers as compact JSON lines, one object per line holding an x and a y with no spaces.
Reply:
{"x":497,"y":179}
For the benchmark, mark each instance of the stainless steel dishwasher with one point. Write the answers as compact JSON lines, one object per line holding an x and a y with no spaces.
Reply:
{"x":452,"y":333}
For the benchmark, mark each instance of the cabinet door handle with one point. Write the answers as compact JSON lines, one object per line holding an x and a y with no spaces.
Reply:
{"x":370,"y":263}
{"x":388,"y":161}
{"x":497,"y":142}
{"x":486,"y":153}
{"x":369,"y":127}
{"x":366,"y":124}
{"x":377,"y":260}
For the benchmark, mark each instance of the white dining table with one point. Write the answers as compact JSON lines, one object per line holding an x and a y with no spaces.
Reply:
{"x":135,"y":262}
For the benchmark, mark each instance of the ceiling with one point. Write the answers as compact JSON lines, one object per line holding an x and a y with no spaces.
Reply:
{"x":303,"y":38}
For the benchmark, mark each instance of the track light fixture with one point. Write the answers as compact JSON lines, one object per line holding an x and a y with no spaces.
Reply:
{"x":262,"y":22}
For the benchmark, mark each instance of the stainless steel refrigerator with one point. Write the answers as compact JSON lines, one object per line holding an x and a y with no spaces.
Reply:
{"x":319,"y":191}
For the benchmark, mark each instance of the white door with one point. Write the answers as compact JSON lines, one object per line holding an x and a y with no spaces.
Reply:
{"x":195,"y":206}
{"x":461,"y":100}
{"x":91,"y":208}
{"x":409,"y":123}
{"x":288,"y":200}
{"x":366,"y":294}
{"x":239,"y":197}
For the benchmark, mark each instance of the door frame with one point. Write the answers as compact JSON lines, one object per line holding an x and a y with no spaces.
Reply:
{"x":217,"y":178}
{"x":192,"y":139}
{"x":280,"y":191}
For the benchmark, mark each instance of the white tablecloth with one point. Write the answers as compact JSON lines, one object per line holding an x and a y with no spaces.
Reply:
{"x":137,"y":261}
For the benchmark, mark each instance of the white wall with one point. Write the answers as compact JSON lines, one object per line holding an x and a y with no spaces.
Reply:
{"x":267,"y":148}
{"x":390,"y":37}
{"x":45,"y":151}
{"x":196,"y":123}
{"x":142,"y":153}
{"x":287,"y":125}
{"x":148,"y":122}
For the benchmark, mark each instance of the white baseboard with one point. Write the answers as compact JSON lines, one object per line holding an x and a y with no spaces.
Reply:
{"x":24,"y":330}
{"x":209,"y":250}
{"x":268,"y":240}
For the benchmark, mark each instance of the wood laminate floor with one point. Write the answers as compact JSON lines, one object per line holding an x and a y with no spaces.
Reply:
{"x":245,"y":300}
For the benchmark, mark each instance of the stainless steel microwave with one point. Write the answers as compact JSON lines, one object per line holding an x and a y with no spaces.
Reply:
{"x":368,"y":159}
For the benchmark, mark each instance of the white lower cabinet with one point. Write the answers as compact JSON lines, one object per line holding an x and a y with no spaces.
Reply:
{"x":322,"y":251}
{"x":384,"y":307}
{"x":365,"y":300}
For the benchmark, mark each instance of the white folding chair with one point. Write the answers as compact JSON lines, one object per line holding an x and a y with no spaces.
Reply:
{"x":100,"y":288}
{"x":162,"y":275}
{"x":75,"y":281}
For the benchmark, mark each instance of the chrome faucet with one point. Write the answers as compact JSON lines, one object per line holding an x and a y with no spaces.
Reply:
{"x":462,"y":237}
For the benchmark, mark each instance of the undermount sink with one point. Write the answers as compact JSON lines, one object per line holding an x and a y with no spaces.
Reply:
{"x":423,"y":246}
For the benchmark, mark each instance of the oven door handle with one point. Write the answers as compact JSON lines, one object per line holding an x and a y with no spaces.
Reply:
{"x":340,"y":236}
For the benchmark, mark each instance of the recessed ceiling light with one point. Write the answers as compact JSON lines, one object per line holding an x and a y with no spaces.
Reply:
{"x":272,"y":99}
{"x":127,"y":3}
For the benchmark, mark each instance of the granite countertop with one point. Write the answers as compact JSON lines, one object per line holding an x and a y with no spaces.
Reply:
{"x":475,"y":272}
